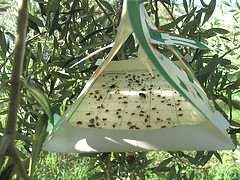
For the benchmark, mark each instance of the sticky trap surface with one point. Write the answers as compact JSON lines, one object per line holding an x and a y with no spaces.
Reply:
{"x":133,"y":99}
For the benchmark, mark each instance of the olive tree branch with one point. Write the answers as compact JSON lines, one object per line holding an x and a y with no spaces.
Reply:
{"x":8,"y":140}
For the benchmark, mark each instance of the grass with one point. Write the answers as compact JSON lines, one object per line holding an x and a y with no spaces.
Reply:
{"x":63,"y":166}
{"x":74,"y":166}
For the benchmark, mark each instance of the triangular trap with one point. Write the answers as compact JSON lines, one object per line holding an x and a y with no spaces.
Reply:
{"x":146,"y":103}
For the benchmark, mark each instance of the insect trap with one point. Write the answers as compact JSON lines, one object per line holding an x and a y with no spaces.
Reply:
{"x":141,"y":104}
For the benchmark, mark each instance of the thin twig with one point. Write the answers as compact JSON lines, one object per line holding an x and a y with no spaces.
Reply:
{"x":230,"y":51}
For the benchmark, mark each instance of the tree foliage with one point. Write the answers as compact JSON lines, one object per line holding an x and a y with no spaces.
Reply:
{"x":62,"y":32}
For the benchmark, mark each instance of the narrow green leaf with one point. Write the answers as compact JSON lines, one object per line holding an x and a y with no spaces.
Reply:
{"x":4,"y":112}
{"x":40,"y":98}
{"x":209,"y":11}
{"x":206,"y":158}
{"x":36,"y":20}
{"x":210,"y":67}
{"x":3,"y":44}
{"x":33,"y":26}
{"x":234,"y":76}
{"x":192,"y":160}
{"x":217,"y":155}
{"x":198,"y":18}
{"x":225,"y":38}
{"x":207,"y":34}
{"x":190,"y":27}
{"x":39,"y":138}
{"x":173,"y":24}
{"x":238,"y":6}
{"x":172,"y":173}
{"x":7,"y":173}
{"x":54,"y":24}
{"x":185,"y":5}
{"x":219,"y":30}
{"x":203,"y":3}
{"x":107,"y":5}
{"x":163,"y":164}
{"x":190,"y":15}
{"x":168,"y":2}
{"x":191,"y":177}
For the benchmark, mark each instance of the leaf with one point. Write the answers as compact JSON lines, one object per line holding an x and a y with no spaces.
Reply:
{"x":36,"y":20}
{"x":42,"y":8}
{"x":7,"y":173}
{"x":217,"y":155}
{"x":191,"y":177}
{"x":190,"y":15}
{"x":238,"y":6}
{"x":53,"y":6}
{"x":225,"y":62}
{"x":173,"y":24}
{"x":192,"y":160}
{"x":40,"y":98}
{"x":33,"y":26}
{"x":107,"y":5}
{"x":3,"y":112}
{"x":210,"y":67}
{"x":225,"y":38}
{"x":163,"y":164}
{"x":206,"y":158}
{"x":168,"y":2}
{"x":185,"y":5}
{"x":3,"y":44}
{"x":234,"y":76}
{"x":172,"y":173}
{"x":39,"y":137}
{"x":209,"y":11}
{"x":219,"y":30}
{"x":198,"y":18}
{"x":190,"y":27}
{"x":203,"y":3}
{"x":54,"y":24}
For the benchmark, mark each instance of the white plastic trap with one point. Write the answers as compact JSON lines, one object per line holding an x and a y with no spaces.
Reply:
{"x":127,"y":109}
{"x":123,"y":107}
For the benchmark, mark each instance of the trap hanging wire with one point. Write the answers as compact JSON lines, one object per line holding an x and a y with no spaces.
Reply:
{"x":141,"y":104}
